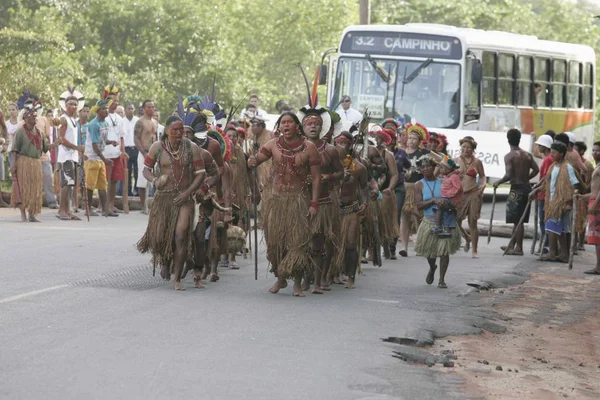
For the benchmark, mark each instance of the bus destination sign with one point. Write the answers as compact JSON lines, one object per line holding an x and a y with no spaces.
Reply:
{"x":402,"y":44}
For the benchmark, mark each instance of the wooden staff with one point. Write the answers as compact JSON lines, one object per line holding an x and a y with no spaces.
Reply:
{"x":573,"y":235}
{"x":492,"y":215}
{"x":535,"y":227}
{"x":527,"y":207}
{"x":125,"y":188}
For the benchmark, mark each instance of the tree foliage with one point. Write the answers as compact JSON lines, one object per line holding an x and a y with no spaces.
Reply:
{"x":159,"y":48}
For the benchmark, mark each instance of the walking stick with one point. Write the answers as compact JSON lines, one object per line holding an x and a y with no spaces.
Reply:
{"x":249,"y":233}
{"x":83,"y":189}
{"x":535,"y":227}
{"x":492,"y":216}
{"x":527,"y":207}
{"x":541,"y":245}
{"x":573,"y":234}
{"x":255,"y":182}
{"x":125,"y":189}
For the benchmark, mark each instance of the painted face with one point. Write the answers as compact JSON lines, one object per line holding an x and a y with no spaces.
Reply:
{"x":466,"y":149}
{"x":312,"y":126}
{"x":175,"y":131}
{"x":342,"y":142}
{"x":232,"y":135}
{"x":30,"y":117}
{"x":288,"y":127}
{"x":556,"y":155}
{"x":596,"y":153}
{"x":71,"y":107}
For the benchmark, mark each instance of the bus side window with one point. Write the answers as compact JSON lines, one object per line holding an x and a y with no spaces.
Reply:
{"x":524,"y":81}
{"x":574,"y":99}
{"x":541,"y":75}
{"x":588,"y":87}
{"x":506,"y":79}
{"x":489,"y":78}
{"x":559,"y":80}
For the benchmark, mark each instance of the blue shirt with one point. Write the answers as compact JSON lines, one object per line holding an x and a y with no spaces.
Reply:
{"x":431,"y":190}
{"x":97,"y":134}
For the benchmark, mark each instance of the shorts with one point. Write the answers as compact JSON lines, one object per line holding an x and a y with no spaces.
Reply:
{"x":516,"y":204}
{"x":117,"y":174}
{"x":68,"y":173}
{"x":142,"y":182}
{"x":593,"y":226}
{"x":560,"y":226}
{"x":95,"y":175}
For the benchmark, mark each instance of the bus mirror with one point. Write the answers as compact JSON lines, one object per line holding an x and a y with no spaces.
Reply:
{"x":322,"y":74}
{"x":476,"y":72}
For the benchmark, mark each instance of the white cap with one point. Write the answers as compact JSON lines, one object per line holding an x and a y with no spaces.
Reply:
{"x":571,"y":136}
{"x":545,"y":140}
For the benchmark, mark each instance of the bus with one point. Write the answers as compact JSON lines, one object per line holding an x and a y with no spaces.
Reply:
{"x":462,"y":81}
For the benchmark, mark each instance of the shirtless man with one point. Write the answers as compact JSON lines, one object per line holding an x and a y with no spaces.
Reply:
{"x":470,"y":208}
{"x":220,"y":220}
{"x":326,"y":226}
{"x":211,"y":179}
{"x":385,"y":172}
{"x":296,"y":182}
{"x":169,"y":235}
{"x":144,"y":135}
{"x":520,"y":169}
{"x":353,"y":202}
{"x":593,"y":211}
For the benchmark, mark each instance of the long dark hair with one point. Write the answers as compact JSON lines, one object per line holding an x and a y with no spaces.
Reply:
{"x":294,"y":117}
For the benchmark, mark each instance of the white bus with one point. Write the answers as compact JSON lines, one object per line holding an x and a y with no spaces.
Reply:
{"x":463,"y":81}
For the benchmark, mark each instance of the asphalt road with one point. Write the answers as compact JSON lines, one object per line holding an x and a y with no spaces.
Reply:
{"x":81,"y":317}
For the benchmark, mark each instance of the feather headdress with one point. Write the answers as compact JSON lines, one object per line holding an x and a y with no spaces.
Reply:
{"x":71,"y":92}
{"x":110,"y":91}
{"x":27,"y":95}
{"x":313,"y":108}
{"x":419,"y":130}
{"x":224,"y":142}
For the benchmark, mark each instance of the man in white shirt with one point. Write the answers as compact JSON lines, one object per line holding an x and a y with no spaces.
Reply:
{"x":255,"y":101}
{"x":132,"y":152}
{"x":161,"y":128}
{"x":68,"y":155}
{"x":349,"y":115}
{"x":114,"y":172}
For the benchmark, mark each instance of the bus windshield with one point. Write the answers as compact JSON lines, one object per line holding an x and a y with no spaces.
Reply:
{"x":431,"y":96}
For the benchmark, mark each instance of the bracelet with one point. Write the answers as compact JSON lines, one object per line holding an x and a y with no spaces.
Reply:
{"x":314,"y":204}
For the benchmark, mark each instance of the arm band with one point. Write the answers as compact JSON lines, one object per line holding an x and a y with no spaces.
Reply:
{"x":315,"y":162}
{"x":198,"y":164}
{"x":266,"y":151}
{"x":149,"y":162}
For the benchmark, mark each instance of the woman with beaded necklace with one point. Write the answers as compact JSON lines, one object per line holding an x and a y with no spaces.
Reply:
{"x":169,"y":235}
{"x":294,"y":200}
{"x":429,"y":245}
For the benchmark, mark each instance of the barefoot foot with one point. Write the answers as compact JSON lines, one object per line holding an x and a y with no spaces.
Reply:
{"x":317,"y":290}
{"x":178,"y":286}
{"x":298,"y":292}
{"x":350,"y":284}
{"x":198,"y":283}
{"x":280,"y":284}
{"x":164,"y":273}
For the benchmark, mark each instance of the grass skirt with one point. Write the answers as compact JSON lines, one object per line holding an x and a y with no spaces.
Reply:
{"x":289,"y":235}
{"x":581,"y":217}
{"x":348,"y":220}
{"x":469,"y":208}
{"x":370,"y":225}
{"x":217,"y":244}
{"x":429,"y":245}
{"x":29,"y":175}
{"x":388,"y":220}
{"x":413,"y":215}
{"x":327,"y":221}
{"x":159,"y":238}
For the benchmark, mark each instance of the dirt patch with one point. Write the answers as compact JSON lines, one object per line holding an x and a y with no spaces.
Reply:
{"x":551,"y":349}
